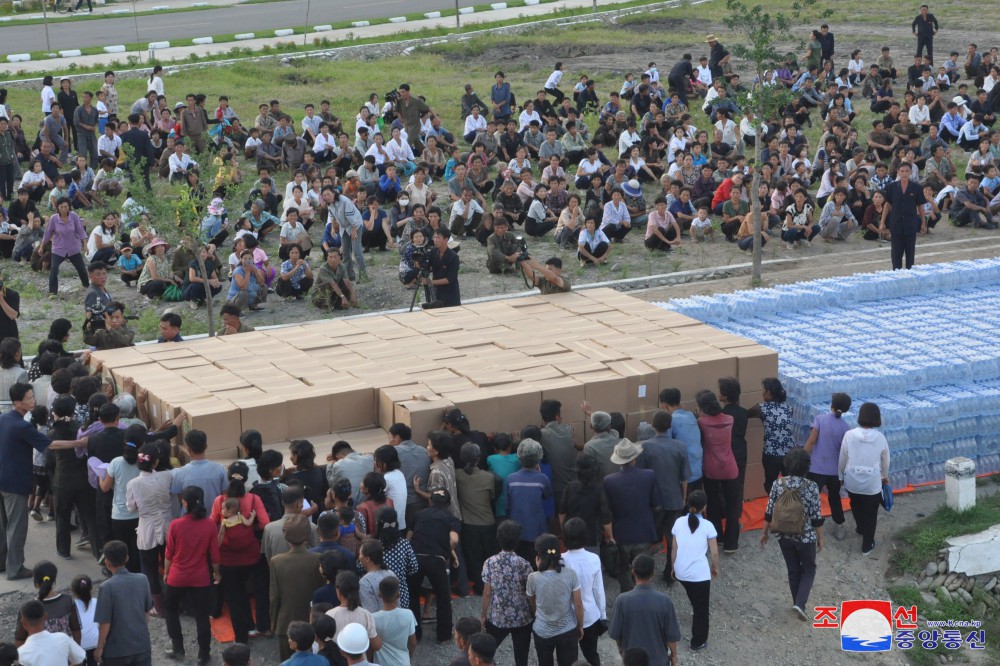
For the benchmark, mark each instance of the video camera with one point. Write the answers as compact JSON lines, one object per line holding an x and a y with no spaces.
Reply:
{"x":392,"y":97}
{"x":95,"y":317}
{"x":522,"y":247}
{"x":422,"y":256}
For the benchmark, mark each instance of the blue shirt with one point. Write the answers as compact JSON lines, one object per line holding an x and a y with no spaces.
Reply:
{"x":306,"y":659}
{"x":684,"y":428}
{"x":327,"y":546}
{"x":331,"y":239}
{"x":18,"y":440}
{"x":129,"y":263}
{"x":953,"y":123}
{"x":525,"y":492}
{"x":632,"y":494}
{"x":207,"y":475}
{"x":252,"y":286}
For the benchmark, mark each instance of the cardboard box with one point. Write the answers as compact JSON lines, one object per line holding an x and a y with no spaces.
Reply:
{"x":389,"y":396}
{"x":755,"y":441}
{"x":712,"y":365}
{"x":680,"y":373}
{"x":633,"y":419}
{"x":218,"y":419}
{"x":641,"y":384}
{"x":750,"y":398}
{"x":308,"y":413}
{"x":567,"y":391}
{"x":265,"y":413}
{"x":605,"y":391}
{"x":353,"y":404}
{"x":422,"y":416}
{"x":368,"y":439}
{"x":755,"y":364}
{"x":753,"y":484}
{"x":579,"y":434}
{"x":480,"y":406}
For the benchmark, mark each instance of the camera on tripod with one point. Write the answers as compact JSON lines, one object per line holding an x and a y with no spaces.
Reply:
{"x":422,"y":257}
{"x":522,"y":247}
{"x":95,"y":317}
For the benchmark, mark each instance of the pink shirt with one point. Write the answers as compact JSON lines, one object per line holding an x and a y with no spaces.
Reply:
{"x":655,"y":220}
{"x":67,"y":236}
{"x":718,"y":463}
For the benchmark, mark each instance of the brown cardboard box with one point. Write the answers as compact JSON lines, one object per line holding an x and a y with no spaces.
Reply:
{"x":579,"y":434}
{"x":518,"y":405}
{"x":353,"y":404}
{"x":389,"y":396}
{"x":267,"y":414}
{"x":480,"y":406}
{"x":641,"y":384}
{"x":308,"y":413}
{"x":712,"y":365}
{"x":753,"y":485}
{"x":422,"y":416}
{"x":369,"y":439}
{"x":754,"y":364}
{"x":633,"y":419}
{"x":566,"y":390}
{"x":539,"y":373}
{"x":755,"y":441}
{"x":219,"y":419}
{"x":752,"y":395}
{"x":680,"y":373}
{"x":605,"y":391}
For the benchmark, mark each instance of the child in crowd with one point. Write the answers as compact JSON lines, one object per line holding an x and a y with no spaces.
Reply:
{"x":701,"y":226}
{"x":231,"y":516}
{"x":395,"y":625}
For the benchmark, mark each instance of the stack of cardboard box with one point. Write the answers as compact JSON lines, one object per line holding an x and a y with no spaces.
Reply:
{"x":496,"y":361}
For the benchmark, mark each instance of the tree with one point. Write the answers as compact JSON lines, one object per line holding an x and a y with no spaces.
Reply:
{"x":762,"y":29}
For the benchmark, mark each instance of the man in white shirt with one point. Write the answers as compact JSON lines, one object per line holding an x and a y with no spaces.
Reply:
{"x":920,"y":114}
{"x":466,"y":214}
{"x":475,"y":123}
{"x":704,"y":72}
{"x":109,"y":143}
{"x":43,"y":648}
{"x":552,"y":84}
{"x":311,"y":124}
{"x":180,"y":163}
{"x":972,"y":132}
{"x":527,"y":116}
{"x":323,"y":144}
{"x":628,"y":138}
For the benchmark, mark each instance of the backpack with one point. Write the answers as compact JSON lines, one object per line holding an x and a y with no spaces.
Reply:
{"x":270,"y":496}
{"x":788,"y":515}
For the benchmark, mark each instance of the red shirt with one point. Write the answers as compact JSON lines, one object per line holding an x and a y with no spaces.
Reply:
{"x":240,"y":546}
{"x":722,"y":192}
{"x":192,"y":545}
{"x":718,"y":463}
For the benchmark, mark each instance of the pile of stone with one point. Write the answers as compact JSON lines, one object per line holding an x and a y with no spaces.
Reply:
{"x":980,"y":594}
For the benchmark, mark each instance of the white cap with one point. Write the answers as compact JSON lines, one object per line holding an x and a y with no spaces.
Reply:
{"x":353,"y":639}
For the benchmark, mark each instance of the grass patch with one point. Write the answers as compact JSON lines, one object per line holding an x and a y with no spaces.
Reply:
{"x":945,"y":609}
{"x":922,"y":540}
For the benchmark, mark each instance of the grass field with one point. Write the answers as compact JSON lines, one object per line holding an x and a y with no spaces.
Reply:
{"x":604,"y":51}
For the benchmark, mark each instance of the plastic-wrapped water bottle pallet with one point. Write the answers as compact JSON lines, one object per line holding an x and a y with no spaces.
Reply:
{"x":921,"y":344}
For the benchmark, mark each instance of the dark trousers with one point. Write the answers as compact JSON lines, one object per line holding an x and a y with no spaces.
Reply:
{"x":654,"y":243}
{"x":154,"y":288}
{"x":832,"y":484}
{"x":597,"y":252}
{"x":625,"y":556}
{"x":903,"y":244}
{"x":680,"y":85}
{"x":124,"y":530}
{"x":864,"y":508}
{"x":665,"y":519}
{"x":141,"y":659}
{"x":200,"y":601}
{"x":526,"y":550}
{"x":793,"y":235}
{"x":234,"y":591}
{"x":565,"y":648}
{"x":725,"y":501}
{"x":557,"y":95}
{"x":7,"y":181}
{"x":195,"y":291}
{"x":261,"y":584}
{"x":534,"y":228}
{"x":800,"y":560}
{"x":150,"y":560}
{"x":77,"y":261}
{"x":698,"y":594}
{"x":478,"y":544}
{"x":773,"y":466}
{"x":519,"y":636}
{"x":617,"y":233}
{"x":435,"y":569}
{"x":67,"y":499}
{"x":285,"y":289}
{"x":925,"y":42}
{"x":588,"y":644}
{"x":102,"y":518}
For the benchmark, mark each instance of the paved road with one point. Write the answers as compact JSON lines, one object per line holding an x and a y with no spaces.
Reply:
{"x":258,"y":18}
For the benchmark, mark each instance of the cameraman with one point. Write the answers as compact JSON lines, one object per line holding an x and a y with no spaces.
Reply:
{"x":115,"y":333}
{"x":502,"y":248}
{"x":444,"y":273}
{"x":97,"y":297}
{"x":547,"y":278}
{"x":10,"y":310}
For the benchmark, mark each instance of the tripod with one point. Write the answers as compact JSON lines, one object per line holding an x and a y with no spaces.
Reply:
{"x":424,"y":273}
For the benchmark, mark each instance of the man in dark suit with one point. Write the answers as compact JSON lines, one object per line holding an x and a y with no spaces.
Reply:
{"x":294,"y":577}
{"x":142,"y":147}
{"x":904,"y":212}
{"x":633,"y":495}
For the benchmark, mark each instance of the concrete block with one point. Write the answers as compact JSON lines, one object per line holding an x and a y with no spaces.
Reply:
{"x":244,"y":36}
{"x":960,"y":484}
{"x":975,"y":554}
{"x":6,"y":19}
{"x":160,"y":8}
{"x":200,"y":4}
{"x":530,"y":3}
{"x":360,"y":24}
{"x":202,"y":40}
{"x":432,"y":15}
{"x":19,"y":57}
{"x":397,"y":19}
{"x":159,"y":45}
{"x":117,"y":48}
{"x":284,"y":32}
{"x":467,"y":10}
{"x":121,"y":11}
{"x":70,"y":53}
{"x":498,"y":5}
{"x":323,"y":28}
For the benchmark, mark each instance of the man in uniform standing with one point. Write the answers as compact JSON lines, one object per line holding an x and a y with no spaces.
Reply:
{"x":904,"y":210}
